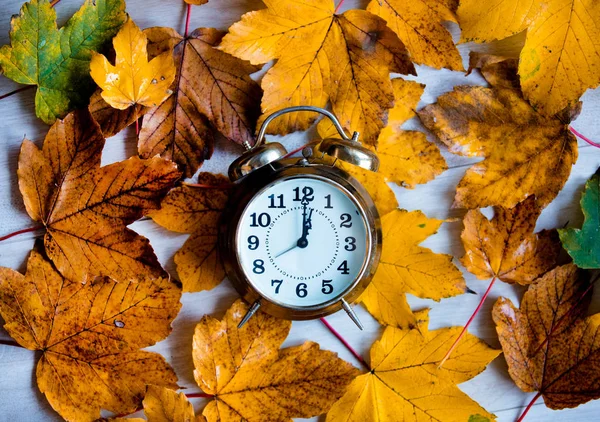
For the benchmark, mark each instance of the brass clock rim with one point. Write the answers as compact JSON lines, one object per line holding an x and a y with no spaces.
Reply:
{"x":273,"y":173}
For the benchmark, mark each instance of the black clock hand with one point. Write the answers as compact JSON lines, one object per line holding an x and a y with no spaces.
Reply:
{"x":306,"y":226}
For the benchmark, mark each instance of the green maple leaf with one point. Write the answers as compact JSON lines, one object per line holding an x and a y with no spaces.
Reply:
{"x":584,"y":244}
{"x":58,"y":60}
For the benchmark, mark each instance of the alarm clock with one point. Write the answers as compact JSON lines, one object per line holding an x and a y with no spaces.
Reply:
{"x":300,"y":238}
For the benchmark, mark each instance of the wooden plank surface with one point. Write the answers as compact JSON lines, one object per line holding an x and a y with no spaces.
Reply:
{"x":19,"y":397}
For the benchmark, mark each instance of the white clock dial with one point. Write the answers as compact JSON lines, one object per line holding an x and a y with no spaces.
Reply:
{"x":302,"y":242}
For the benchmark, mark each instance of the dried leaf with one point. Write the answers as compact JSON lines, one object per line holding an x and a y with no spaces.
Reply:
{"x":405,"y":382}
{"x":253,"y":380}
{"x":62,"y":79}
{"x":420,"y":26}
{"x":561,"y":56}
{"x":133,"y":80}
{"x":506,"y":246}
{"x":196,"y":2}
{"x":86,"y":208}
{"x":112,"y":120}
{"x":213,"y":92}
{"x":406,"y":267}
{"x":526,"y":153}
{"x":584,"y":244}
{"x":549,"y":344}
{"x":196,"y":210}
{"x":406,"y":157}
{"x":90,"y":336}
{"x":345,"y":59}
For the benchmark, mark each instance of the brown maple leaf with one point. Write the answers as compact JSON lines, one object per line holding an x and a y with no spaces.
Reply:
{"x":213,"y":92}
{"x":196,"y":210}
{"x":549,"y":344}
{"x":85,"y":208}
{"x":252,"y":379}
{"x":526,"y":153}
{"x":90,"y":336}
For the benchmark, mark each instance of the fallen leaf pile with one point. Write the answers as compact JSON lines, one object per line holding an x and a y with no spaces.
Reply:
{"x":526,"y":153}
{"x":405,"y":382}
{"x":90,"y":336}
{"x":252,"y":379}
{"x":85,"y":208}
{"x":63,"y":79}
{"x":584,"y":244}
{"x":550,"y":345}
{"x":94,"y":293}
{"x":561,"y":56}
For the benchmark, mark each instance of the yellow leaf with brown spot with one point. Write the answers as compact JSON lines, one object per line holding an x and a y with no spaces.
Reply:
{"x":213,"y":93}
{"x":133,"y":79}
{"x":90,"y":336}
{"x":561,"y":56}
{"x":420,"y":26}
{"x":506,"y":247}
{"x":406,"y":267}
{"x":549,"y":344}
{"x":196,"y":210}
{"x":321,"y":56}
{"x":85,"y":208}
{"x":526,"y":153}
{"x":252,"y":379}
{"x":406,"y":382}
{"x":406,"y":157}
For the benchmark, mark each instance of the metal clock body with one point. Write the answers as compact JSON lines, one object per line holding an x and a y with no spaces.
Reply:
{"x":300,"y":238}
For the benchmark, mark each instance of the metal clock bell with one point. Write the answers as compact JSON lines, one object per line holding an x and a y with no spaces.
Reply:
{"x":300,"y":238}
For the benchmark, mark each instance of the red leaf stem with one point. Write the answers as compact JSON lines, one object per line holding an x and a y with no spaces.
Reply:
{"x":585,"y":138}
{"x":16,"y":91}
{"x":537,"y":396}
{"x":10,"y":343}
{"x":199,"y":395}
{"x":338,"y":6}
{"x":346,"y":344}
{"x":289,"y":154}
{"x":201,"y":186}
{"x":30,"y":229}
{"x":187,"y":19}
{"x":54,"y":3}
{"x":464,"y":330}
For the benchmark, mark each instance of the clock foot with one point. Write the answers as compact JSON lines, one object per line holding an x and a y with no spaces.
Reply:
{"x":253,"y":309}
{"x":351,"y":314}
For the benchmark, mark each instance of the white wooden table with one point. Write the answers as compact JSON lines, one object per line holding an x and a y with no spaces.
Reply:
{"x":19,"y":396}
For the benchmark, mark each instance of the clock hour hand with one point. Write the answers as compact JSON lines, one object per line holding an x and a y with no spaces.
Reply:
{"x":306,"y":225}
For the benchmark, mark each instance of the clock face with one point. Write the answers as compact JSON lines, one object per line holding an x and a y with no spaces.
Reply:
{"x":302,"y":242}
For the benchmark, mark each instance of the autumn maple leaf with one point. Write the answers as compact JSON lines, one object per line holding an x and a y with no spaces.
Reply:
{"x":196,"y":210}
{"x":321,"y":56}
{"x":85,"y":208}
{"x":549,"y":344}
{"x":561,"y":56}
{"x":252,"y":379}
{"x":526,"y":153}
{"x":90,"y":336}
{"x":406,"y":383}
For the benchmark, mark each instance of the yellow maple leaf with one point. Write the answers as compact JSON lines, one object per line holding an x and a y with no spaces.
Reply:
{"x":419,"y":24}
{"x":406,"y":267}
{"x":90,"y":336}
{"x":561,"y":56}
{"x":321,"y":56}
{"x":133,"y":80}
{"x":527,"y":153}
{"x":253,"y":380}
{"x":406,"y":384}
{"x":196,"y":210}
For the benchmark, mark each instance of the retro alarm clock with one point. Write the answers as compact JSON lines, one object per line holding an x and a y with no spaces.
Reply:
{"x":300,"y":238}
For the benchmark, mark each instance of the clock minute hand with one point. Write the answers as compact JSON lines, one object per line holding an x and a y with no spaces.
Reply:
{"x":306,"y":226}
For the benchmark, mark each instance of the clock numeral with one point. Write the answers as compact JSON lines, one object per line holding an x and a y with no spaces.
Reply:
{"x":259,"y":266}
{"x":346,"y":220}
{"x":301,"y":290}
{"x":263,"y":220}
{"x":350,"y":244}
{"x":344,"y":268}
{"x":280,"y":200}
{"x":327,"y":287}
{"x":328,"y":201}
{"x":307,"y":194}
{"x":253,"y":242}
{"x":279,"y":283}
